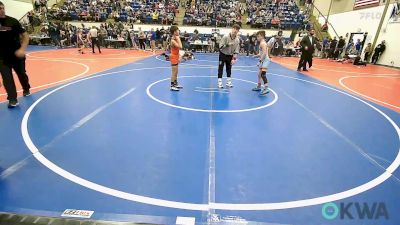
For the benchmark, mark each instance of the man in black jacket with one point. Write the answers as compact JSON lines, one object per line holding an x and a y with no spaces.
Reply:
{"x":307,"y":49}
{"x":340,"y":47}
{"x":13,"y":42}
{"x":379,"y":49}
{"x":332,"y":48}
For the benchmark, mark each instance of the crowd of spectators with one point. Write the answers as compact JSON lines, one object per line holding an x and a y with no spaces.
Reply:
{"x":125,"y":13}
{"x":267,"y":14}
{"x":133,"y":11}
{"x":281,"y":14}
{"x":351,"y":51}
{"x":36,"y":16}
{"x":264,"y":14}
{"x":115,"y":35}
{"x":221,"y":13}
{"x":123,"y":35}
{"x":40,"y":6}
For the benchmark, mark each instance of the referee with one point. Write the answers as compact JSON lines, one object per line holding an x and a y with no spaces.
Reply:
{"x":228,"y":52}
{"x":94,"y":37}
{"x":13,"y":43}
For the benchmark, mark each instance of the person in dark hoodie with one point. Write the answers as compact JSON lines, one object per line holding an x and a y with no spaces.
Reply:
{"x":379,"y":49}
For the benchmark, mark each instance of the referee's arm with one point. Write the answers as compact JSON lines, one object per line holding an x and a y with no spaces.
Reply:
{"x":237,"y":50}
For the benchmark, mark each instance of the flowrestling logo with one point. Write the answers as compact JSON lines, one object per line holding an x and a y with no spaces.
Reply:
{"x":77,"y":213}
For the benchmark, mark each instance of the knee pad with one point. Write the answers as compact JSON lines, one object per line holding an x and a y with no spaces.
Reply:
{"x":264,"y":76}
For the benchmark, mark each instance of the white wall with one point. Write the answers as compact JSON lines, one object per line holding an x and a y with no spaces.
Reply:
{"x":390,"y":33}
{"x":17,"y":9}
{"x":322,"y":6}
{"x":50,"y":3}
{"x":364,"y":20}
{"x":204,"y":30}
{"x":367,"y":20}
{"x":340,"y":6}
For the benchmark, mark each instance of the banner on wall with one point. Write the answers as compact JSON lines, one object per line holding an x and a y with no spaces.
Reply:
{"x":361,"y":4}
{"x":395,"y":14}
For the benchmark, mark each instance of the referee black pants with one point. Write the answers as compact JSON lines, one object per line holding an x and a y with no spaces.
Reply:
{"x":305,"y":57}
{"x":95,"y":41}
{"x":8,"y":80}
{"x":141,"y":44}
{"x":224,"y":59}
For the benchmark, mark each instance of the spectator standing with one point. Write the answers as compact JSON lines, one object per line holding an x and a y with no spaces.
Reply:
{"x":378,"y":52}
{"x":13,"y":42}
{"x":367,"y":52}
{"x":142,"y":39}
{"x":340,"y":47}
{"x":332,"y":48}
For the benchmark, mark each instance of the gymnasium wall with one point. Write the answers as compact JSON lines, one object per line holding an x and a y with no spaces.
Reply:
{"x":26,"y":1}
{"x":390,"y":33}
{"x":17,"y":9}
{"x":322,"y":5}
{"x":364,"y":20}
{"x":338,"y":6}
{"x":52,"y":2}
{"x":367,"y":20}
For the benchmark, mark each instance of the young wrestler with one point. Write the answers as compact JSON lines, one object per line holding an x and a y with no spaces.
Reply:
{"x":80,"y":42}
{"x":263,"y":64}
{"x":175,"y":46}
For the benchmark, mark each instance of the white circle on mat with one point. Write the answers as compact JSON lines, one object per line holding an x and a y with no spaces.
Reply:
{"x":148,"y":91}
{"x":207,"y":206}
